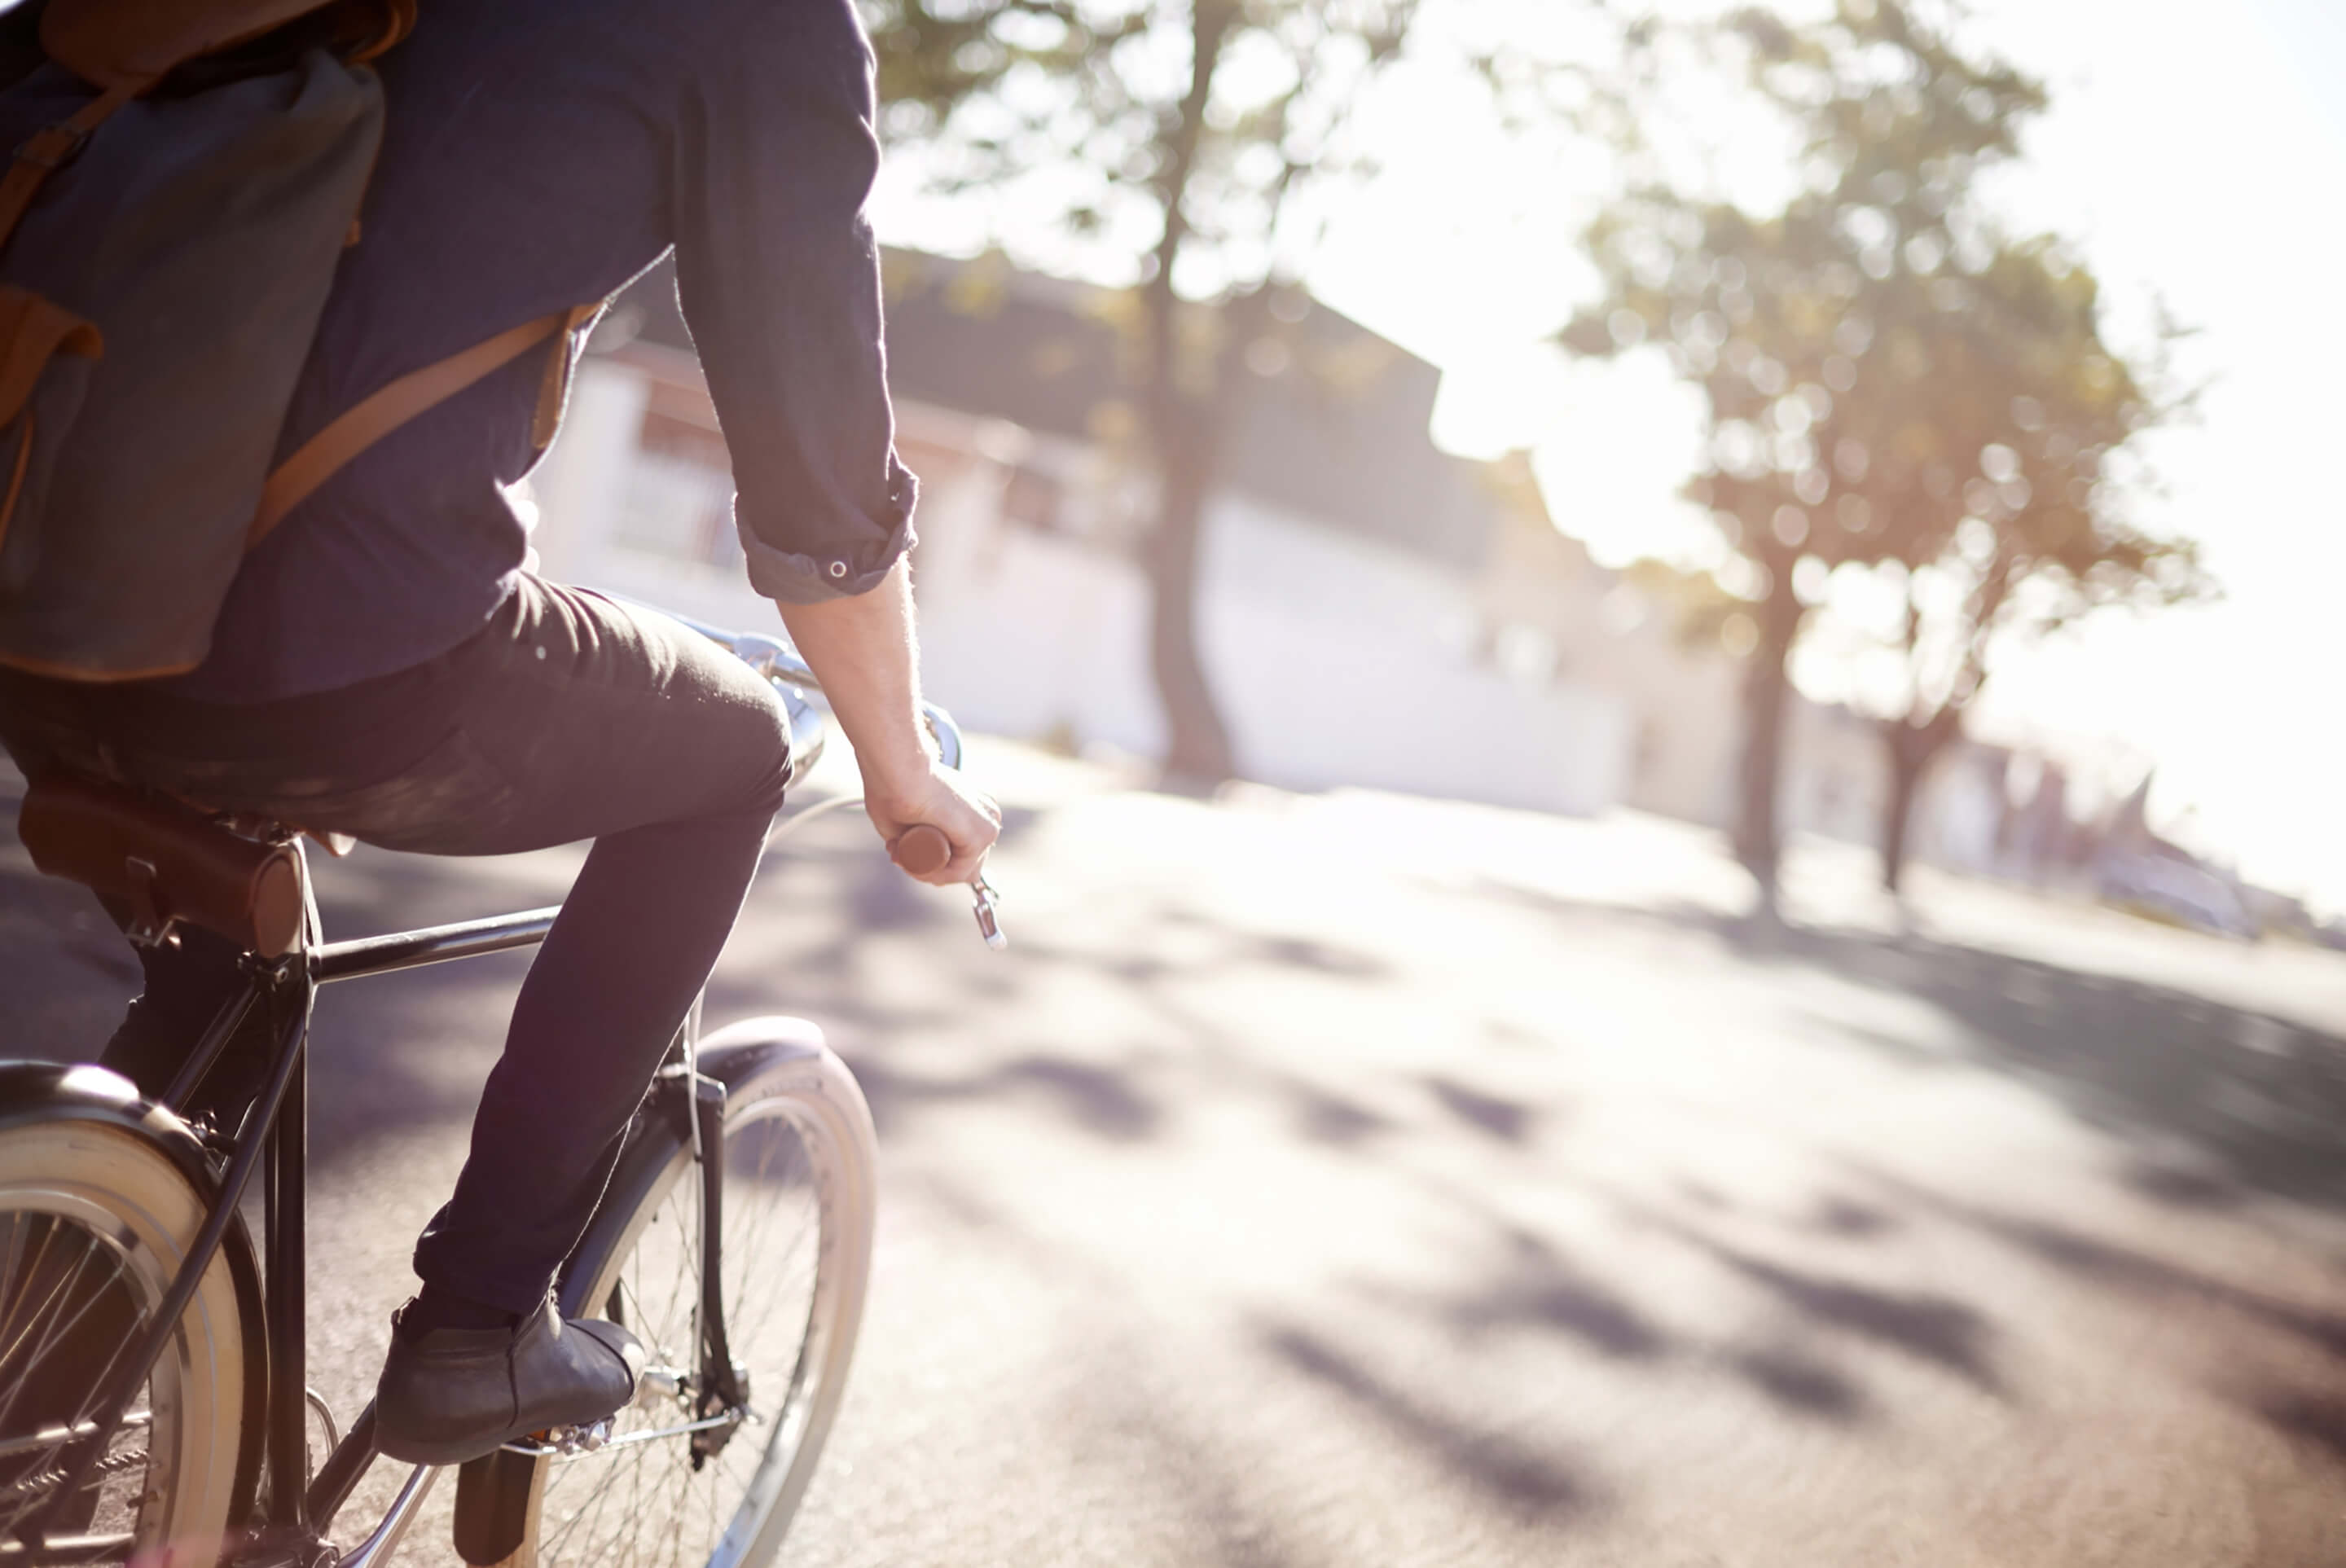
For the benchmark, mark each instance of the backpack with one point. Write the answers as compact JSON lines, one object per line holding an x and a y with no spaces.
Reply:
{"x":169,"y":232}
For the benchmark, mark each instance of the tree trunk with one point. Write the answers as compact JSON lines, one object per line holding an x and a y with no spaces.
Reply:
{"x":1767,"y":685}
{"x":1198,"y":745}
{"x":1184,"y":435}
{"x":1910,"y":749}
{"x":1898,"y":812}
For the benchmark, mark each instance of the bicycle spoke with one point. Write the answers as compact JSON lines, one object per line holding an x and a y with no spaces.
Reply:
{"x":752,"y":1243}
{"x":675,"y":1548}
{"x":50,"y":1325}
{"x":17,"y":1227}
{"x":60,"y":1330}
{"x":31,"y":1272}
{"x":773,"y":1305}
{"x":656,"y":1341}
{"x":114,"y":1357}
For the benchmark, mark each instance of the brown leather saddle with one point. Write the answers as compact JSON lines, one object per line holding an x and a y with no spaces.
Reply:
{"x":167,"y":862}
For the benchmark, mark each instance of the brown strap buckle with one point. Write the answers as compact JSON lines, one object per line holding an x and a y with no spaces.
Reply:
{"x":52,"y":147}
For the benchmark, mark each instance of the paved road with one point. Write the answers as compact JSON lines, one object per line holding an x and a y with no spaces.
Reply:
{"x":1346,"y":1180}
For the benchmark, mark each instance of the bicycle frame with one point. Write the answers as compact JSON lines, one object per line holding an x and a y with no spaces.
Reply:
{"x":274,"y":1141}
{"x":275,"y":1137}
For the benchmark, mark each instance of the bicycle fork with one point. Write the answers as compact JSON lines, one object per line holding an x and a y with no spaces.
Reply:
{"x":720,"y":1384}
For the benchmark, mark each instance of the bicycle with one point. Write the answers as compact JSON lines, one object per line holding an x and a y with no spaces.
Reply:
{"x":121,"y":1236}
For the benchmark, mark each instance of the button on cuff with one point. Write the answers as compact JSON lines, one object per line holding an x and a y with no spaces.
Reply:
{"x":792,"y":578}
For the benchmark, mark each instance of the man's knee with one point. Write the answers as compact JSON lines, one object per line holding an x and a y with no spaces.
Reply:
{"x":758,"y":740}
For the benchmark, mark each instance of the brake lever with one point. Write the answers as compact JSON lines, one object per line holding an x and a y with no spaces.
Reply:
{"x":921,"y":850}
{"x":989,"y":925}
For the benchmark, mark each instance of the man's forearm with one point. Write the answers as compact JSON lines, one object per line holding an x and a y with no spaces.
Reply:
{"x":862,"y":649}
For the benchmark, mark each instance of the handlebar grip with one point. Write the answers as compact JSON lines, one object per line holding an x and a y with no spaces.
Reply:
{"x":921,"y":850}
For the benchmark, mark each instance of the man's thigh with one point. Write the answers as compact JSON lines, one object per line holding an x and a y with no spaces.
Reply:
{"x":569,"y":717}
{"x":576,"y":717}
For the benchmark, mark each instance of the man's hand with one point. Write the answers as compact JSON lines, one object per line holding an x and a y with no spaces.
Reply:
{"x":861,"y":649}
{"x":945,"y":800}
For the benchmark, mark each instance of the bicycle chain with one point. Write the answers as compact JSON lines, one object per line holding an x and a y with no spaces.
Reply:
{"x":112,"y":1464}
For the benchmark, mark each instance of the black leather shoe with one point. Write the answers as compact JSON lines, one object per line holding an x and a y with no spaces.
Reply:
{"x":454,"y":1394}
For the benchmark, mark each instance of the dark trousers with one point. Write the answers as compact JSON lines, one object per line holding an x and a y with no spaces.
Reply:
{"x":568,"y":717}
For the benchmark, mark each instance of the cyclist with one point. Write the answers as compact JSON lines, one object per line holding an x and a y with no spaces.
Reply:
{"x":389,"y":666}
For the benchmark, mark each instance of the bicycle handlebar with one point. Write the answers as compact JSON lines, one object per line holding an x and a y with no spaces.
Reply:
{"x":779,"y":663}
{"x":921,"y":850}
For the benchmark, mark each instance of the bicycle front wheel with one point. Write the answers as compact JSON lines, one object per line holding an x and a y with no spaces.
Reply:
{"x":796,"y":1250}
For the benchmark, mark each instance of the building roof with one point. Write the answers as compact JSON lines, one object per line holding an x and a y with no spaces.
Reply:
{"x":1332,"y":424}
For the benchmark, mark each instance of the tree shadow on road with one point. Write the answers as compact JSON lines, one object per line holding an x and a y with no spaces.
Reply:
{"x":1533,"y":1286}
{"x":1512,"y":1475}
{"x":2123,"y":1269}
{"x":2309,"y":1418}
{"x":1100,"y":1099}
{"x":1508,"y":1120}
{"x":2251,"y":1101}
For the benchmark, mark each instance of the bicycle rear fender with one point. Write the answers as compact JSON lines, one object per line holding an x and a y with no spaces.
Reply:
{"x":45,"y":1091}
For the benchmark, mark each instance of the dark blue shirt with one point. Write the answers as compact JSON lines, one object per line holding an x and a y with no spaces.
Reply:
{"x":538,"y":154}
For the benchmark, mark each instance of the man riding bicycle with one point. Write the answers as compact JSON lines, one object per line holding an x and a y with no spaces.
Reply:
{"x":388,"y":665}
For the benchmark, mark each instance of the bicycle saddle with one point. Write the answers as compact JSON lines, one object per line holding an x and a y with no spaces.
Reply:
{"x":167,"y":861}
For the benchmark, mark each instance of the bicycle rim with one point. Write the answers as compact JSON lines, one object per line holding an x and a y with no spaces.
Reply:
{"x":796,"y":1248}
{"x":93,"y":1227}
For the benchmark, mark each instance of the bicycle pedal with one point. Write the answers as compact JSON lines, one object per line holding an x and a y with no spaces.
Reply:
{"x":563,"y":1441}
{"x":658,"y":1387}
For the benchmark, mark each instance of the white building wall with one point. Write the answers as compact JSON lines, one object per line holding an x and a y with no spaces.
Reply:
{"x":1341,"y":661}
{"x":581,"y":484}
{"x":1337,"y":660}
{"x":1033,"y":635}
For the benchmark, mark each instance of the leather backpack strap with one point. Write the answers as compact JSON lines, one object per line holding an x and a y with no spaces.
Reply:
{"x":554,"y":389}
{"x":49,"y":150}
{"x":388,"y":408}
{"x":33,"y":330}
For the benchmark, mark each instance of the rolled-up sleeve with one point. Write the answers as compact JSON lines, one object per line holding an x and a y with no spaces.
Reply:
{"x":778,"y":278}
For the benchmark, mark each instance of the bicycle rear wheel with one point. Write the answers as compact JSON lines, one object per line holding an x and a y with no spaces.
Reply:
{"x":796,"y":1252}
{"x":94,"y":1221}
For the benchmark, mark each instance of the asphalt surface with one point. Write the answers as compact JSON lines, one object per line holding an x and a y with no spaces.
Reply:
{"x":1345,"y":1179}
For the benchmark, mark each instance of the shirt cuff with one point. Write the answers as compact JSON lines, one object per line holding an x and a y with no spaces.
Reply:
{"x":790,"y":578}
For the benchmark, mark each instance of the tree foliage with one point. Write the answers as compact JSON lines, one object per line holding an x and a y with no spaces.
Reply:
{"x":1894,"y":385}
{"x":1185,"y":136}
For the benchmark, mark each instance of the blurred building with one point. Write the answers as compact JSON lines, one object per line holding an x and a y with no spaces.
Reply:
{"x":1372,"y":611}
{"x":1349,"y":566}
{"x":1677,"y":697}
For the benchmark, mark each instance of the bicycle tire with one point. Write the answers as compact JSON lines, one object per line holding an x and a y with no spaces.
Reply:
{"x":88,"y":1176}
{"x":527,"y":1513}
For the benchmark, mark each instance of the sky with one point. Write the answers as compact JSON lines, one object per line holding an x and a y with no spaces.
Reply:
{"x":2196,"y":155}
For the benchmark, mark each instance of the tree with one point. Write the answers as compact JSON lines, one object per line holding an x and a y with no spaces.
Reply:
{"x":2015,"y":369}
{"x":1188,"y":134}
{"x":1893,"y":386}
